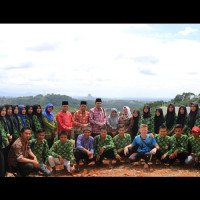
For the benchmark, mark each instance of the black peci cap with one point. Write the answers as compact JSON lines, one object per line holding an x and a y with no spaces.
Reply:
{"x":98,"y":100}
{"x":83,"y":102}
{"x":64,"y":103}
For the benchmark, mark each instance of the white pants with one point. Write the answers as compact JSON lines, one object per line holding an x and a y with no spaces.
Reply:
{"x":56,"y":161}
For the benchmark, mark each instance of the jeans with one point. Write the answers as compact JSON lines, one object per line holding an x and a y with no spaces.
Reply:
{"x":44,"y":170}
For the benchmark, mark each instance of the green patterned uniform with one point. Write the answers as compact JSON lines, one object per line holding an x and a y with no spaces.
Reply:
{"x":41,"y":150}
{"x":187,"y":130}
{"x":163,"y":143}
{"x":107,"y":144}
{"x":148,"y":121}
{"x":180,"y":144}
{"x":121,"y":143}
{"x":195,"y":144}
{"x":4,"y":136}
{"x":172,"y":126}
{"x":36,"y":123}
{"x":64,"y":150}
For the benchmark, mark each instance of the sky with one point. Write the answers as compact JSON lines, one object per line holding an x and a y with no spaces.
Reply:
{"x":104,"y":60}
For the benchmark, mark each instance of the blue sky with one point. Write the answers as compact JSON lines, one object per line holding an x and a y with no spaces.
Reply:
{"x":106,"y":60}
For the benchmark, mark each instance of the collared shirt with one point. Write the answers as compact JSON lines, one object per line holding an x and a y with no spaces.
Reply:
{"x":18,"y":150}
{"x":163,"y":143}
{"x":195,"y":144}
{"x":121,"y":143}
{"x":80,"y":118}
{"x":83,"y":143}
{"x":64,"y":120}
{"x":95,"y":117}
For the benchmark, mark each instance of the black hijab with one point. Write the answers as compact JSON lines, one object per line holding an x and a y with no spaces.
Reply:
{"x":3,"y":120}
{"x":39,"y":115}
{"x":136,"y":121}
{"x":193,"y":115}
{"x":29,"y":116}
{"x":182,"y":117}
{"x":170,"y":116}
{"x":148,"y":114}
{"x":9,"y":119}
{"x":15,"y":118}
{"x":158,"y":120}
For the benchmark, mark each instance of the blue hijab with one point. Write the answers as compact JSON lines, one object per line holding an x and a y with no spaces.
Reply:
{"x":21,"y":116}
{"x":47,"y":114}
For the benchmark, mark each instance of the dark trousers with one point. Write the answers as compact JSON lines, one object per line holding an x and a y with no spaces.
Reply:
{"x":106,"y":154}
{"x":130,"y":151}
{"x":135,"y":157}
{"x":2,"y":164}
{"x":25,"y":168}
{"x":78,"y":154}
{"x":180,"y":156}
{"x":158,"y":156}
{"x":5,"y":154}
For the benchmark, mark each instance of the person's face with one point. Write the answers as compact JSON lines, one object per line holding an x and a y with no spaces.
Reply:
{"x":146,"y":110}
{"x":103,"y":133}
{"x":114,"y":114}
{"x":16,"y":110}
{"x":182,"y":111}
{"x":30,"y":110}
{"x":125,"y":111}
{"x":41,"y":136}
{"x":63,"y":138}
{"x":177,"y":132}
{"x":26,"y":135}
{"x":135,"y":114}
{"x":9,"y":111}
{"x":23,"y":111}
{"x":193,"y":108}
{"x":38,"y":110}
{"x":195,"y":134}
{"x":121,"y":131}
{"x":98,"y":104}
{"x":3,"y":112}
{"x":171,"y":109}
{"x":87,"y":134}
{"x":50,"y":109}
{"x":65,"y":108}
{"x":157,"y":113}
{"x":163,"y":132}
{"x":83,"y":107}
{"x":143,"y":131}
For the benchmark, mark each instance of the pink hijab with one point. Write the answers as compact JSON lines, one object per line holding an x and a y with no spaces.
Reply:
{"x":129,"y":115}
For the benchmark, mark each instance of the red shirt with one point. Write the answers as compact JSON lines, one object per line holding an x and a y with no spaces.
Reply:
{"x":80,"y":118}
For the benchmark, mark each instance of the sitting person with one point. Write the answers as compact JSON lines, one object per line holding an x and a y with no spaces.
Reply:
{"x":147,"y":146}
{"x":84,"y":147}
{"x":104,"y":147}
{"x":20,"y":158}
{"x":61,"y":153}
{"x":121,"y":141}
{"x":40,"y":149}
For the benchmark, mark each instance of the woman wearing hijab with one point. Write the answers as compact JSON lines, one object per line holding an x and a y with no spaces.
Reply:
{"x":170,"y":119}
{"x":126,"y":119}
{"x":136,"y":119}
{"x":183,"y":118}
{"x":2,"y":163}
{"x":50,"y":124}
{"x":29,"y":115}
{"x":147,"y":119}
{"x":158,"y":120}
{"x":37,"y":117}
{"x":16,"y":123}
{"x":112,"y":122}
{"x":9,"y":122}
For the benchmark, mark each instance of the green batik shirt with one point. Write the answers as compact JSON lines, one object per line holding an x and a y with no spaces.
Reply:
{"x":4,"y":136}
{"x":107,"y":144}
{"x":36,"y":123}
{"x":172,"y":126}
{"x":64,"y":150}
{"x":195,"y":144}
{"x":163,"y":143}
{"x":41,"y":150}
{"x":49,"y":126}
{"x":16,"y":132}
{"x":197,"y":123}
{"x":186,"y":131}
{"x":148,"y":121}
{"x":180,"y":144}
{"x":121,"y":143}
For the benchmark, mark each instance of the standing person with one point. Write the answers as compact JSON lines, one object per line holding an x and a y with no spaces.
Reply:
{"x":136,"y":119}
{"x":2,"y":163}
{"x":29,"y":115}
{"x":147,"y":146}
{"x":158,"y":120}
{"x":126,"y":119}
{"x":84,"y":147}
{"x":65,"y":120}
{"x":16,"y":123}
{"x":112,"y":122}
{"x":183,"y":118}
{"x":97,"y":117}
{"x":37,"y":117}
{"x":170,"y":119}
{"x":80,"y":119}
{"x":147,"y":118}
{"x":50,"y":124}
{"x":23,"y":120}
{"x":20,"y":158}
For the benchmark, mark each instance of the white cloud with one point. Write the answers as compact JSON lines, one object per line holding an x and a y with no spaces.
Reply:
{"x":187,"y":31}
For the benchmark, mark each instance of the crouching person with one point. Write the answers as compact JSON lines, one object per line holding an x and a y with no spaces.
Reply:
{"x":20,"y":158}
{"x":104,"y":147}
{"x":40,"y":149}
{"x":84,"y":147}
{"x":61,"y":153}
{"x":146,"y":146}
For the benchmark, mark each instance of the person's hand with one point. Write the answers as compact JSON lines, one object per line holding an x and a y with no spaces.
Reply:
{"x":7,"y":143}
{"x":97,"y":158}
{"x":36,"y":163}
{"x":172,"y":156}
{"x":101,"y":150}
{"x":164,"y":156}
{"x":10,"y":138}
{"x":118,"y":157}
{"x":196,"y":159}
{"x":175,"y":153}
{"x":126,"y":150}
{"x":61,"y":160}
{"x":72,"y":169}
{"x":101,"y":124}
{"x":91,"y":156}
{"x":84,"y":125}
{"x":119,"y":150}
{"x":151,"y":135}
{"x":153,"y":151}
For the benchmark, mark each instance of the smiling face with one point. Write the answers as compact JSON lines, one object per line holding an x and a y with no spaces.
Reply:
{"x":9,"y":111}
{"x":3,"y":112}
{"x":23,"y":111}
{"x":193,"y":108}
{"x":182,"y":111}
{"x":63,"y":138}
{"x":125,"y":110}
{"x":30,"y":110}
{"x":16,"y":110}
{"x":103,"y":133}
{"x":114,"y":114}
{"x":50,"y":109}
{"x":135,"y":114}
{"x":163,"y":132}
{"x":38,"y":110}
{"x":171,"y":108}
{"x":157,"y":113}
{"x":177,"y":132}
{"x":146,"y":109}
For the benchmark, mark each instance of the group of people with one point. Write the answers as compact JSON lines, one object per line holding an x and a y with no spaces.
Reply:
{"x":36,"y":140}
